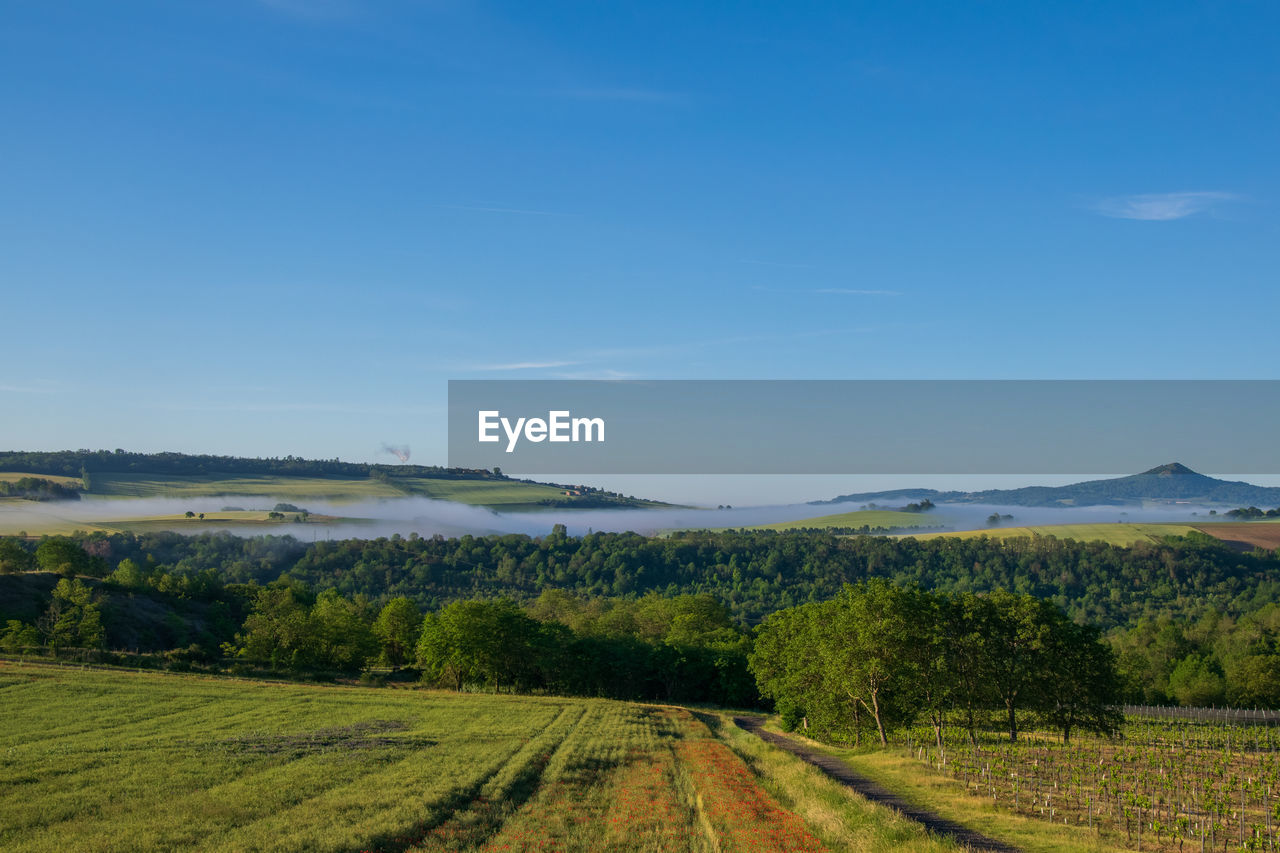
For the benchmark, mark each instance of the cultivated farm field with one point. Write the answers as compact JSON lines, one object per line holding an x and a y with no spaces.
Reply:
{"x":93,"y":760}
{"x":208,"y":485}
{"x":1114,"y":533}
{"x":495,"y":493}
{"x":1170,"y":783}
{"x":1261,"y":534}
{"x":13,"y":477}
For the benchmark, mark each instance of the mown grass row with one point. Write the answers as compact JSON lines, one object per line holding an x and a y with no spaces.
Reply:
{"x":97,"y":760}
{"x":90,"y":758}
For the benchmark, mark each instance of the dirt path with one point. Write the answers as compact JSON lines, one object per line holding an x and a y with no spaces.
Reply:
{"x":838,"y":770}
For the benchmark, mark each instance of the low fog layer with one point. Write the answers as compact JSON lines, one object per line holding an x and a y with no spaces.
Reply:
{"x":428,"y":517}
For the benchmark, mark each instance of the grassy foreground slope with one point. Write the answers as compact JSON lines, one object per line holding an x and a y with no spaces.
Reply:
{"x":109,"y":760}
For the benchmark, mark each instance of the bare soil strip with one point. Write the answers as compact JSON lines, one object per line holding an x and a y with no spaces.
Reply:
{"x":838,"y":770}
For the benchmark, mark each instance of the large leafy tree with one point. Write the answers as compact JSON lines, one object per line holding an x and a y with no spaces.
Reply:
{"x":62,"y":555}
{"x":490,"y":642}
{"x":1081,"y":683}
{"x":14,"y":558}
{"x":397,"y":628}
{"x":866,"y":632}
{"x":1018,"y":630}
{"x":73,"y":618}
{"x":883,"y":655}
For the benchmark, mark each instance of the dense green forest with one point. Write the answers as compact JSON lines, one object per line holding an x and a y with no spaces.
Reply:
{"x":38,"y":489}
{"x":1190,"y":619}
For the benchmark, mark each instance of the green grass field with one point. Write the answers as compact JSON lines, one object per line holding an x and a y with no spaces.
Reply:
{"x":217,"y":520}
{"x":52,"y":519}
{"x":1115,"y":533}
{"x":40,"y":519}
{"x":882,"y":518}
{"x":11,"y":476}
{"x":493,"y":493}
{"x":156,"y":485}
{"x":499,"y":494}
{"x":108,"y":760}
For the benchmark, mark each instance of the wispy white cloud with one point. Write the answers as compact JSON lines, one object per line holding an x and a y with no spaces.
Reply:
{"x":254,"y":406}
{"x":525,"y":365}
{"x":592,"y":363}
{"x":1161,"y":207}
{"x":850,"y":291}
{"x":604,"y":373}
{"x":28,"y":388}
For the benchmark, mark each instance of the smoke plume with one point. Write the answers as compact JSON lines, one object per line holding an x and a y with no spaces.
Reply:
{"x":399,"y":451}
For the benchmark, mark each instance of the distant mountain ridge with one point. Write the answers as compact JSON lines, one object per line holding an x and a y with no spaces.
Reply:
{"x":1171,"y":482}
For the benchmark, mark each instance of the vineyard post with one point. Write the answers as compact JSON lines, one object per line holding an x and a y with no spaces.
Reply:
{"x":1271,"y":840}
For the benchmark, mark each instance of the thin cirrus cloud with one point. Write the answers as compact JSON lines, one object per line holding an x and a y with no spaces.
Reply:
{"x":850,"y":291}
{"x":525,"y":365}
{"x":29,"y":388}
{"x":1162,"y":207}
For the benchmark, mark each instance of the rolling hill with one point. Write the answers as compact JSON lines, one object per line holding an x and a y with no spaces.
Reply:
{"x":124,"y":474}
{"x":1169,"y":483}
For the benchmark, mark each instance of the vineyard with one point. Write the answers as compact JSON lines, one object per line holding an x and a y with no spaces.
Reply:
{"x":1186,"y":783}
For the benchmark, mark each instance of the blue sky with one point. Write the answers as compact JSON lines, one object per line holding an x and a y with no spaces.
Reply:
{"x":280,"y":226}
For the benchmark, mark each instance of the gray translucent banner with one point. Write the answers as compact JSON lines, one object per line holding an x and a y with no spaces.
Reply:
{"x":863,"y":426}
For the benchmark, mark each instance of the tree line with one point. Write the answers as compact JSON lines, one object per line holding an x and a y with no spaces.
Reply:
{"x":75,"y":463}
{"x":673,"y":649}
{"x":1192,"y":621}
{"x":1249,"y":513}
{"x":38,"y":489}
{"x":877,"y":657}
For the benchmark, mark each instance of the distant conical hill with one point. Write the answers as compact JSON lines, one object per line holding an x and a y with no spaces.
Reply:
{"x":1173,"y":482}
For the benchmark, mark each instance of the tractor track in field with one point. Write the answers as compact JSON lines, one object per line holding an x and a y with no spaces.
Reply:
{"x":873,"y":791}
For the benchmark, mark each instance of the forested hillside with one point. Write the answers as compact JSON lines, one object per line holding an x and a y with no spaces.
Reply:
{"x":1171,"y":482}
{"x":1191,"y":619}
